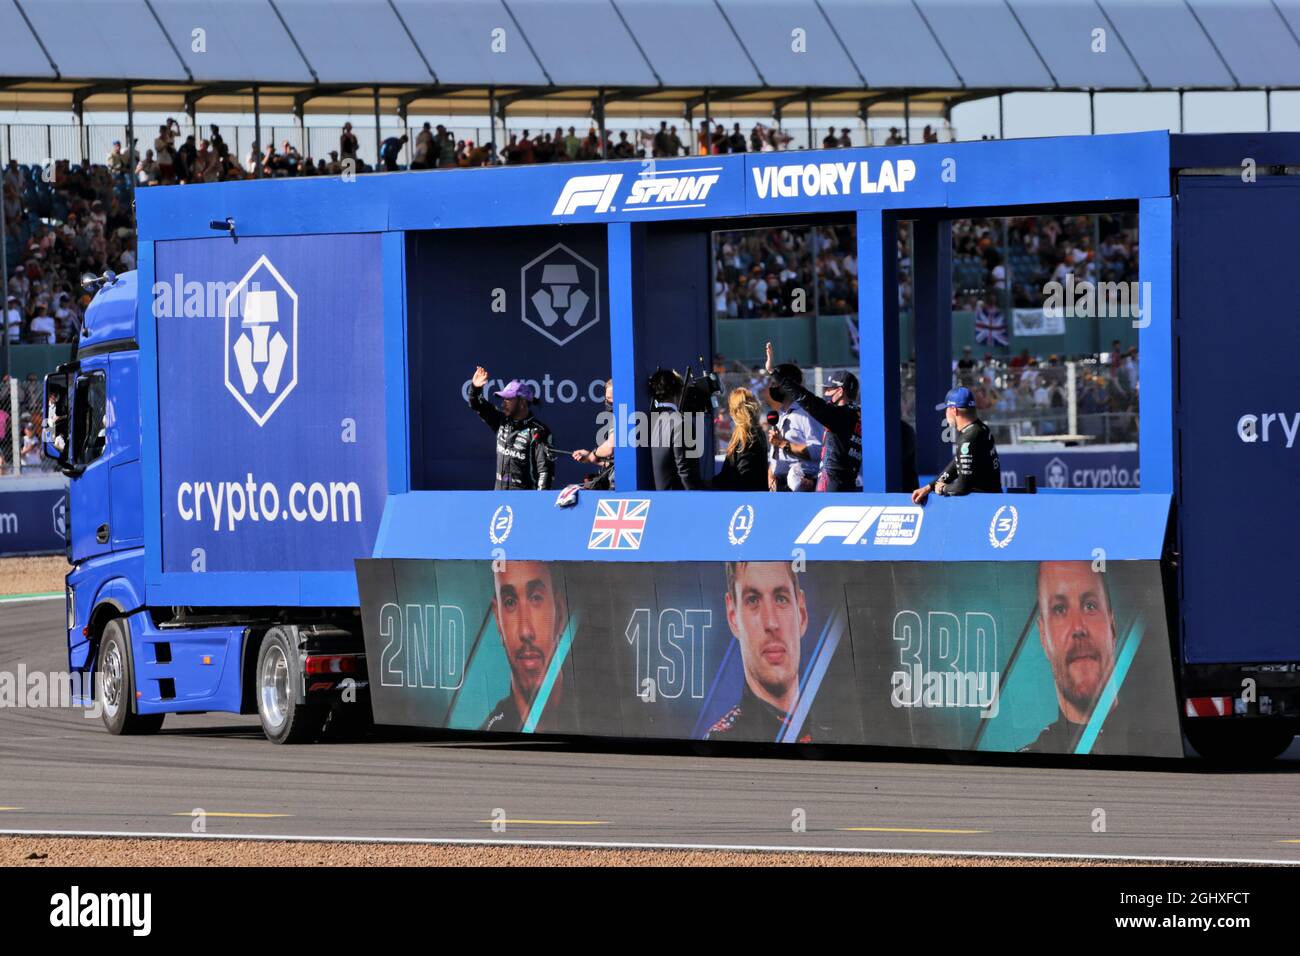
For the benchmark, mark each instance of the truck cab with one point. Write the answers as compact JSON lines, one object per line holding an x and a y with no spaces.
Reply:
{"x":139,"y":662}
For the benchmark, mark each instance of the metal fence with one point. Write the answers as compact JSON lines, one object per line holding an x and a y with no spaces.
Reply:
{"x":37,"y":144}
{"x":20,"y":431}
{"x":1086,"y":400}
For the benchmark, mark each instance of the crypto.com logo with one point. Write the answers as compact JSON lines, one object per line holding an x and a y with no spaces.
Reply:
{"x":895,"y":524}
{"x":1058,"y":474}
{"x":560,"y":292}
{"x":262,"y":343}
{"x":60,"y":516}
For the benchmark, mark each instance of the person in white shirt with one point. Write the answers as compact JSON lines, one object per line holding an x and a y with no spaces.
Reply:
{"x":42,"y":326}
{"x":13,"y":321}
{"x":795,"y":438}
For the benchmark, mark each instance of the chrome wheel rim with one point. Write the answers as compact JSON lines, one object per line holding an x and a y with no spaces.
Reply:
{"x":112,"y":678}
{"x":274,"y":687}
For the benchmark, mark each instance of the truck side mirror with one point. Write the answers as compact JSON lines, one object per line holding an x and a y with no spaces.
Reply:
{"x":56,"y":440}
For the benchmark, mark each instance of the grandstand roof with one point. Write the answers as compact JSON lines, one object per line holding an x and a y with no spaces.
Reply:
{"x":651,"y":57}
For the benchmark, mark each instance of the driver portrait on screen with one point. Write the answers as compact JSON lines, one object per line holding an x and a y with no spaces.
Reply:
{"x":1077,"y":628}
{"x":530,"y":617}
{"x":768,"y":615}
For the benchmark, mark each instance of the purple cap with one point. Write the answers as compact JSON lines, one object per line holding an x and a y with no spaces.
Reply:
{"x":517,"y":388}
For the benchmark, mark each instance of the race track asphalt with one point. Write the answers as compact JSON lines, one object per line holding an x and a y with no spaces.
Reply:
{"x":62,"y":772}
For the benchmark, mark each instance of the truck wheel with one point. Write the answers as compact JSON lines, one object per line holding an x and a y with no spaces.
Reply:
{"x":1240,"y":742}
{"x":117,"y":684}
{"x":284,"y":721}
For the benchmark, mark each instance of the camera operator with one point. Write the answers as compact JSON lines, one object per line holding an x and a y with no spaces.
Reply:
{"x":793,"y":436}
{"x":524,"y":456}
{"x":602,"y":456}
{"x":671,"y":460}
{"x":841,"y":418}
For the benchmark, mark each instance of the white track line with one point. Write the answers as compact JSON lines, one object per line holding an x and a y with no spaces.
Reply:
{"x":614,"y":845}
{"x":24,"y":598}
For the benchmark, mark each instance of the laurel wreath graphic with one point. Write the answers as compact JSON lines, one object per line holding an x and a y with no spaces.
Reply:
{"x":492,"y":524}
{"x":731,"y":526}
{"x":1015,"y":520}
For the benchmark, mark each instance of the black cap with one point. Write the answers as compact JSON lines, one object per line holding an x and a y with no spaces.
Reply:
{"x":845,"y":380}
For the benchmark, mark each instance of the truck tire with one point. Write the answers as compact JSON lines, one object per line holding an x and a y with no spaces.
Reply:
{"x":117,"y":683}
{"x":278,"y":676}
{"x":1240,"y":742}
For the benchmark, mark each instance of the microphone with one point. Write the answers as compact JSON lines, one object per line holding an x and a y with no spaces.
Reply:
{"x":773,"y":416}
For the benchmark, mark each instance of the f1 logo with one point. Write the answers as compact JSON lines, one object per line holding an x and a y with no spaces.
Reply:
{"x":579,"y":191}
{"x":897,"y":524}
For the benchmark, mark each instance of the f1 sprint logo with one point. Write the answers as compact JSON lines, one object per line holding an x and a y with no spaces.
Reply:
{"x":895,"y":524}
{"x":652,"y":189}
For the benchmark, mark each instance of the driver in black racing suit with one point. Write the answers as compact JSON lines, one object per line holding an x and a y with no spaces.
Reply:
{"x":975,"y":467}
{"x":525,"y":459}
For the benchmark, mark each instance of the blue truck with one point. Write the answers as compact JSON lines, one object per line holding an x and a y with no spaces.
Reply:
{"x":278,"y":496}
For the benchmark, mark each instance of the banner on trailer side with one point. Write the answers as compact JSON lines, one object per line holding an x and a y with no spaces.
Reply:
{"x":1047,"y":657}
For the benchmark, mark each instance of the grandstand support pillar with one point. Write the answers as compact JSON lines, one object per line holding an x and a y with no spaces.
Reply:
{"x":300,"y":113}
{"x":257,"y":132}
{"x":378,"y":133}
{"x":1181,"y":127}
{"x":83,"y":145}
{"x":401,"y":115}
{"x":807,"y":104}
{"x":1001,"y":128}
{"x":1092,"y":112}
{"x":866,"y":127}
{"x":492,"y":117}
{"x":708,"y":125}
{"x":907,"y":118}
{"x":1268,"y":111}
{"x":600,"y":119}
{"x":130,"y":141}
{"x":932,"y":336}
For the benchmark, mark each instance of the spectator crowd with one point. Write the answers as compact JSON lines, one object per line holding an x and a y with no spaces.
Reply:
{"x":176,"y":157}
{"x":776,"y":273}
{"x":78,"y":221}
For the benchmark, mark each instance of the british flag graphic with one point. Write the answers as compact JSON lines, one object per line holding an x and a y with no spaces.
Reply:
{"x":618,"y":524}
